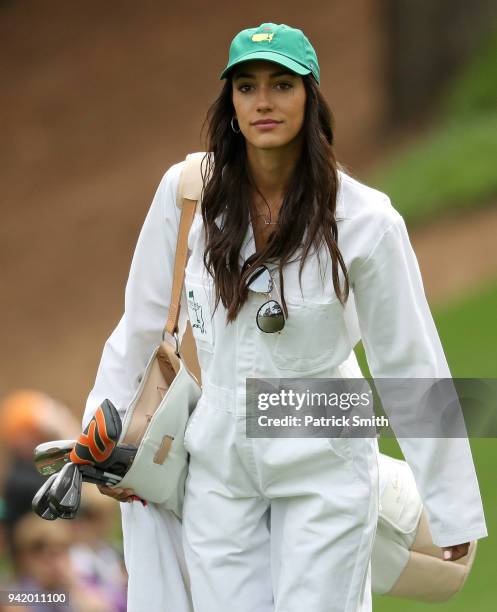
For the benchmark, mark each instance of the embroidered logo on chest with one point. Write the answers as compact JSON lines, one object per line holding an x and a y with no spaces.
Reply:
{"x":197,"y":322}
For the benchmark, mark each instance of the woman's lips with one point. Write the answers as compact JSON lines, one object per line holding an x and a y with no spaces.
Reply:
{"x":267,"y":126}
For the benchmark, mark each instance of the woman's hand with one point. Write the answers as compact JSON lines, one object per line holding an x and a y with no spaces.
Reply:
{"x":452,"y":553}
{"x":121,"y":495}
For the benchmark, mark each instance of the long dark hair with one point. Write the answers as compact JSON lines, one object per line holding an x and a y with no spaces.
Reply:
{"x":309,"y":201}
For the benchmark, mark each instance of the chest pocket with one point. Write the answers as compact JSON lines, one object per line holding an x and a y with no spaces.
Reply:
{"x":199,"y":299}
{"x":314,"y":337}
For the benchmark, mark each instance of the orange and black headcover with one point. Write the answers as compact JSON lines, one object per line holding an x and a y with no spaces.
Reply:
{"x":98,"y":441}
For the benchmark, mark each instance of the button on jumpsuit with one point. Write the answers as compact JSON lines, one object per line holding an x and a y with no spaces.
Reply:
{"x":281,"y":524}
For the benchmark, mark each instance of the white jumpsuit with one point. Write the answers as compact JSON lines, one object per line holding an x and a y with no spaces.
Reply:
{"x":281,"y":524}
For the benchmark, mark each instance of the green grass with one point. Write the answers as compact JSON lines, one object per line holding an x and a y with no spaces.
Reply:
{"x":468,"y":330}
{"x":469,"y":336}
{"x":452,"y":167}
{"x":474,"y":91}
{"x":450,"y":170}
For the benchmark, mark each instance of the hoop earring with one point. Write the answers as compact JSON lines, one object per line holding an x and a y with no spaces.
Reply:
{"x":233,"y":127}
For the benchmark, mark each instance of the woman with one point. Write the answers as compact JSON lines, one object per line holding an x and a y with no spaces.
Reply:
{"x":332,"y":247}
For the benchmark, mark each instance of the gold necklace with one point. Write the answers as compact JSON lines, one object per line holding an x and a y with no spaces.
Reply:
{"x":260,"y":214}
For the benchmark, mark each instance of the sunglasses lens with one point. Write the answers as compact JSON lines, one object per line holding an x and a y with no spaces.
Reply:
{"x":270,"y":317}
{"x":260,"y":280}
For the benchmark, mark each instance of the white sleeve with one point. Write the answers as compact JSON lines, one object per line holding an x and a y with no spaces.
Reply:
{"x":401,"y":341}
{"x":146,"y":304}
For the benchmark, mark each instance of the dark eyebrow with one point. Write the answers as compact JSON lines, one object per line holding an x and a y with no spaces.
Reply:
{"x":273,"y":75}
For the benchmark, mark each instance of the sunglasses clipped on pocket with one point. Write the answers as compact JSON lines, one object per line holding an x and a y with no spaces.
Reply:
{"x":270,"y":317}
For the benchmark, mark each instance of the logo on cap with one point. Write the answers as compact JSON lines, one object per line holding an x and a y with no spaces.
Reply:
{"x":262,"y":37}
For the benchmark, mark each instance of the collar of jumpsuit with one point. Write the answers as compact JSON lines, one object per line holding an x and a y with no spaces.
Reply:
{"x":248,"y":246}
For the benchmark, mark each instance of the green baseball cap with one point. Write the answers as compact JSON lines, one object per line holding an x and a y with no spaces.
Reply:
{"x":277,"y":43}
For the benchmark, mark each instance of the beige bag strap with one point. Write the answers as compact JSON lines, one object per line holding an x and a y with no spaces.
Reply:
{"x":188,"y":199}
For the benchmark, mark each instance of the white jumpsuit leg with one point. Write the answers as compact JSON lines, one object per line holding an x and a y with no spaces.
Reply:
{"x":322,"y":495}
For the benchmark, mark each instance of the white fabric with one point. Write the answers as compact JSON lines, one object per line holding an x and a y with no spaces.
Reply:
{"x":316,"y":525}
{"x":400,"y":511}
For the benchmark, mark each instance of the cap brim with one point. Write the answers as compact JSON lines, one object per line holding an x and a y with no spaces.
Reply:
{"x":270,"y":56}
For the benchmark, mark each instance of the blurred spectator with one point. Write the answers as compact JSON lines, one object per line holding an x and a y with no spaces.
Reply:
{"x":68,"y":555}
{"x":27,"y":418}
{"x":42,"y":563}
{"x":97,"y":562}
{"x":30,"y":417}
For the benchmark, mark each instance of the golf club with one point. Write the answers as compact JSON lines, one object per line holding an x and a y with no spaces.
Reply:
{"x":65,"y":493}
{"x":96,"y":476}
{"x":40,"y":503}
{"x":50,"y":457}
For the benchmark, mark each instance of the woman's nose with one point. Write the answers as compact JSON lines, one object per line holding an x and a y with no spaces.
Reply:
{"x":263,"y":101}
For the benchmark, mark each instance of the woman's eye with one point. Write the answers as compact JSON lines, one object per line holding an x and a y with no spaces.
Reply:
{"x":282,"y":86}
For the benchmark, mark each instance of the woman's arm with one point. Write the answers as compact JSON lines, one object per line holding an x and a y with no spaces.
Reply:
{"x":401,"y":341}
{"x":146,"y":303}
